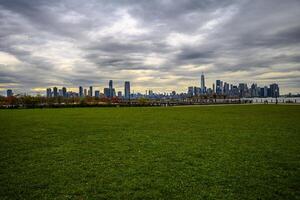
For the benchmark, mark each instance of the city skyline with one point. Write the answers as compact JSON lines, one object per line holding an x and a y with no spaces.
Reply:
{"x":216,"y":87}
{"x":219,"y":88}
{"x":120,"y":87}
{"x":158,"y":45}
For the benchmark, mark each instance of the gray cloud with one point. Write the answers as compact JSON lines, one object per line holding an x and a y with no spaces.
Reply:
{"x":160,"y":44}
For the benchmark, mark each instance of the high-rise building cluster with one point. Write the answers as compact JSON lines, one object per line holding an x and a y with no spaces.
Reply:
{"x":218,"y":88}
{"x":109,"y":92}
{"x":240,"y":90}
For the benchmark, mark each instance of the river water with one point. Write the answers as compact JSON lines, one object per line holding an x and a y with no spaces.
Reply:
{"x":273,"y":100}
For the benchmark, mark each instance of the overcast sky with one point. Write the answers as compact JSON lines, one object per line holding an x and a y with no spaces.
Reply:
{"x":161,"y":45}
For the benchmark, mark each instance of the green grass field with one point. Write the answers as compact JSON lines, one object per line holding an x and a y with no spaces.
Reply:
{"x":204,"y":152}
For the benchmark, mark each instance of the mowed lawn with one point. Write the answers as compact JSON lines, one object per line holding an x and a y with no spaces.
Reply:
{"x":197,"y":152}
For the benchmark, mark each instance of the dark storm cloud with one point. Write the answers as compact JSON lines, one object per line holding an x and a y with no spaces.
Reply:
{"x":43,"y":15}
{"x":290,"y":36}
{"x":190,"y":55}
{"x":160,"y":43}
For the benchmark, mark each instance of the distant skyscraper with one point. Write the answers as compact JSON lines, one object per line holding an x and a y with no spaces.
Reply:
{"x":85,"y":92}
{"x":48,"y":93}
{"x":197,"y":91}
{"x":119,"y":94}
{"x":97,"y":93}
{"x":214,"y":89}
{"x":218,"y":87}
{"x":203,"y":84}
{"x":55,"y":93}
{"x":221,"y":87}
{"x":80,"y":91}
{"x":190,"y":91}
{"x":110,"y":88}
{"x":274,"y":90}
{"x":9,"y":93}
{"x":127,"y":90}
{"x":235,"y":90}
{"x":91,"y":91}
{"x":110,"y":84}
{"x":226,"y":88}
{"x":258,"y":90}
{"x":64,"y":92}
{"x":253,"y":90}
{"x":243,"y":88}
{"x":265,"y":93}
{"x":106,"y":92}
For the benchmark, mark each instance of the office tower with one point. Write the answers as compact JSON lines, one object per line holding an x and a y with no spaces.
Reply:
{"x":80,"y":91}
{"x":269,"y":92}
{"x":261,"y":93}
{"x":110,"y":86}
{"x":221,"y":87}
{"x":209,"y":91}
{"x":48,"y":93}
{"x":9,"y":93}
{"x":235,"y":90}
{"x":113,"y":92}
{"x":197,"y":91}
{"x":243,"y":89}
{"x":274,"y":90}
{"x":231,"y":90}
{"x":97,"y":93}
{"x":60,"y":92}
{"x":64,"y":92}
{"x":258,"y":90}
{"x":265,"y":93}
{"x":91,"y":91}
{"x":119,"y":94}
{"x":190,"y":91}
{"x":85,"y":92}
{"x":203,"y":84}
{"x":226,"y":88}
{"x":253,"y":90}
{"x":127,"y":90}
{"x":213,"y":88}
{"x":106,"y":92}
{"x":218,"y":87}
{"x":55,"y":93}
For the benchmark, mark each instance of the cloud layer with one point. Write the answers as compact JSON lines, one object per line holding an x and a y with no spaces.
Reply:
{"x":161,"y":45}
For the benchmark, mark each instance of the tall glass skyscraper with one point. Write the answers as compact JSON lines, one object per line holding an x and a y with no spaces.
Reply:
{"x":80,"y":91}
{"x":91,"y":91}
{"x":64,"y":92}
{"x":9,"y":93}
{"x":202,"y":84}
{"x":110,"y":88}
{"x":55,"y":93}
{"x":49,"y":93}
{"x":218,"y":87}
{"x":127,"y":90}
